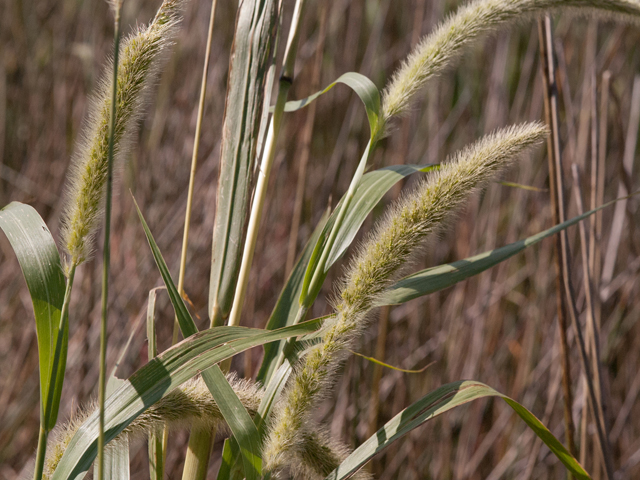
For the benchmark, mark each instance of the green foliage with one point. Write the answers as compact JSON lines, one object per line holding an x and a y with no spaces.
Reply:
{"x":40,"y":263}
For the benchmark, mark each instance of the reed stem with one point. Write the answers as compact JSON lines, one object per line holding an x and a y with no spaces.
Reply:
{"x":197,"y":458}
{"x":194,"y":164}
{"x":553,"y":148}
{"x":286,"y":79}
{"x":551,"y":108}
{"x":41,"y":453}
{"x":106,"y":257}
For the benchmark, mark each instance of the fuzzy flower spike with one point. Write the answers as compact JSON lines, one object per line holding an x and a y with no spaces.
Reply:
{"x":140,"y":56}
{"x":188,"y":406}
{"x":448,"y":41}
{"x":378,"y":262}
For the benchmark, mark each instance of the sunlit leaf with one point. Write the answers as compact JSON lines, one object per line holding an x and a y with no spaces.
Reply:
{"x":436,"y":403}
{"x":40,"y":263}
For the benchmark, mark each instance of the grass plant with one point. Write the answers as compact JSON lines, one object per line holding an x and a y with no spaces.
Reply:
{"x":271,"y":423}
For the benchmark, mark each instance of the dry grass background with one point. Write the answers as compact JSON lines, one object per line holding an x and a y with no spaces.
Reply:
{"x":499,"y":327}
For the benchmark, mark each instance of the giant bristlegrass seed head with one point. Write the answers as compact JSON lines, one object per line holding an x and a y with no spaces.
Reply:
{"x":378,"y":261}
{"x":448,"y":41}
{"x":190,"y":405}
{"x":140,"y":56}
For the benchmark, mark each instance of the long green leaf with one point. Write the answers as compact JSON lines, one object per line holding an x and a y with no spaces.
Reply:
{"x":287,"y":306}
{"x":159,"y":377}
{"x":371,"y":188}
{"x":436,"y":403}
{"x":234,"y":413}
{"x":361,"y":85}
{"x":40,"y":263}
{"x":254,"y":36}
{"x":437,"y":278}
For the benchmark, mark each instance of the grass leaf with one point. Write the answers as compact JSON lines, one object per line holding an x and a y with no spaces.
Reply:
{"x":40,"y":263}
{"x":361,"y":85}
{"x":436,"y":403}
{"x":438,"y":278}
{"x":373,"y":186}
{"x":230,"y":405}
{"x":116,"y":462}
{"x":160,"y":376}
{"x":254,"y":38}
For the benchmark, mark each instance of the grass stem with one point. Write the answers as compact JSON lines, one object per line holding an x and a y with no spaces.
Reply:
{"x":551,"y":109}
{"x":553,"y":148}
{"x":194,"y":164}
{"x":286,"y":79}
{"x":106,"y":257}
{"x":197,"y":457}
{"x":40,"y":455}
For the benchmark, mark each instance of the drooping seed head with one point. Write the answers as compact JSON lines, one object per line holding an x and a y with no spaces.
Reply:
{"x":140,"y":56}
{"x":191,"y":405}
{"x":448,"y":41}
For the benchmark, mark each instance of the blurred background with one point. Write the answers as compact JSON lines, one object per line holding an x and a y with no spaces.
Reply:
{"x":499,"y":328}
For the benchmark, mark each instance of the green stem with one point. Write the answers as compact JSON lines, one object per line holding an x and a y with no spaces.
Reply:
{"x":318,"y":277}
{"x":106,"y":257}
{"x":40,"y":455}
{"x":53,"y":378}
{"x":286,"y":79}
{"x":196,"y":462}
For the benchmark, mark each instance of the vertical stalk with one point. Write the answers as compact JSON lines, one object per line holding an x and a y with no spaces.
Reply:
{"x":286,"y":79}
{"x":40,"y":455}
{"x":593,"y":336}
{"x":553,"y":149}
{"x":194,"y":164}
{"x":551,"y":109}
{"x":106,"y":257}
{"x":155,"y":446}
{"x":197,"y":458}
{"x":196,"y":462}
{"x":45,"y":415}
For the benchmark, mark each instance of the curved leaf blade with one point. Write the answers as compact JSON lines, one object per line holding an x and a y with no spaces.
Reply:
{"x":236,"y":416}
{"x":361,"y":85}
{"x":370,"y":190}
{"x":438,"y":278}
{"x":436,"y":403}
{"x":158,"y":378}
{"x":39,"y":260}
{"x":373,"y":186}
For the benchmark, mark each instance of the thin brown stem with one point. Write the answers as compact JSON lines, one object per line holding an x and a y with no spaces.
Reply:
{"x":553,"y":148}
{"x":551,"y":109}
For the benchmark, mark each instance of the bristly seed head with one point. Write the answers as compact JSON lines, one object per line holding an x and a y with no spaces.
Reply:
{"x":379,"y":260}
{"x":190,"y":405}
{"x":140,"y":55}
{"x":447,"y":42}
